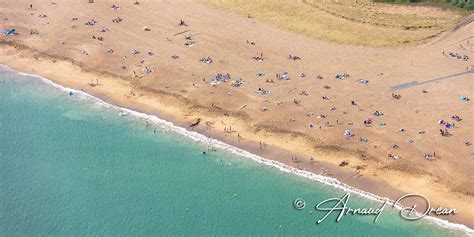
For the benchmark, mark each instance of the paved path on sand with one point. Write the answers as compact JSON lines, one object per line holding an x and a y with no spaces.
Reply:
{"x":416,"y":83}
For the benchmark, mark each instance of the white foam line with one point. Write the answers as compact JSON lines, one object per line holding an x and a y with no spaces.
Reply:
{"x":169,"y":126}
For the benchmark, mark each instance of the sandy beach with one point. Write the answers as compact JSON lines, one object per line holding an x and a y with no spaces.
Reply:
{"x":290,"y":109}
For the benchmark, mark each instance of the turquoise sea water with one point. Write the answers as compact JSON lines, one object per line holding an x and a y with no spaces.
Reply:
{"x":72,"y":166}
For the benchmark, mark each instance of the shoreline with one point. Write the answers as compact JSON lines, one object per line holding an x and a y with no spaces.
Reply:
{"x":247,"y":148}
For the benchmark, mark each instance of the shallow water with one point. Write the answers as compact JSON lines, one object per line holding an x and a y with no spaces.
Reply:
{"x":70,"y":165}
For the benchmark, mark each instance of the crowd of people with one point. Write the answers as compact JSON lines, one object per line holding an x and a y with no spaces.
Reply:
{"x":143,"y":68}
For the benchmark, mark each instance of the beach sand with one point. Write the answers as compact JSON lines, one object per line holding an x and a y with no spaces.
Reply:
{"x":179,"y":90}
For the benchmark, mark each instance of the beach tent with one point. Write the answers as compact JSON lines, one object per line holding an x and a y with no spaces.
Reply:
{"x":10,"y":31}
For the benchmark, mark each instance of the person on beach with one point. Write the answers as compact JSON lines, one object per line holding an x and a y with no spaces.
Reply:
{"x":182,"y":23}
